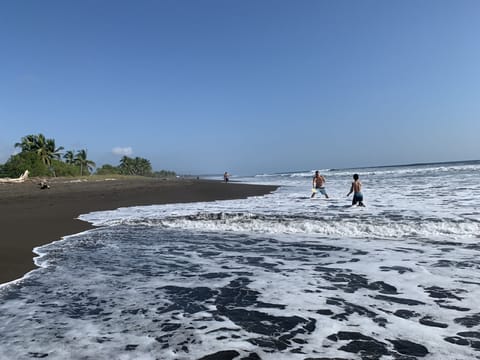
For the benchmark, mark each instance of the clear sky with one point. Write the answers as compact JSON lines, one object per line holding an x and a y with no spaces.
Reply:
{"x":245,"y":86}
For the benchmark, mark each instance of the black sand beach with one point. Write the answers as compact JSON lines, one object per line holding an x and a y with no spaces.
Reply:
{"x":31,"y":216}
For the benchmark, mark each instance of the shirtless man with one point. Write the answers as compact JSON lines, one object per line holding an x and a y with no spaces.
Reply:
{"x":318,"y":185}
{"x":356,"y":188}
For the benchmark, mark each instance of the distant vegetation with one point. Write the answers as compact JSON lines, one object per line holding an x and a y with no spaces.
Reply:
{"x":42,"y":157}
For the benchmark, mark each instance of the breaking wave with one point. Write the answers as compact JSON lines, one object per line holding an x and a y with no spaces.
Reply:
{"x":343,"y":226}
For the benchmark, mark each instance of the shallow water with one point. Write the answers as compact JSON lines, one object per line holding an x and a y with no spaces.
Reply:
{"x":275,"y":277}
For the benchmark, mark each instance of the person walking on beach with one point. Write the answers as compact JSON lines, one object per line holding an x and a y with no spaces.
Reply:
{"x":318,"y":184}
{"x":225,"y":176}
{"x":356,"y":188}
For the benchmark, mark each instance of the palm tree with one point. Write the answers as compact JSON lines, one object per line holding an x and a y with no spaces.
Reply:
{"x":136,"y":166}
{"x":81,"y":159}
{"x":126,"y":165}
{"x":69,"y":157}
{"x":142,"y":166}
{"x":28,"y":143}
{"x":45,"y":148}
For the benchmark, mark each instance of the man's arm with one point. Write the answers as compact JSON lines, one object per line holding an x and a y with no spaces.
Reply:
{"x":351,"y":190}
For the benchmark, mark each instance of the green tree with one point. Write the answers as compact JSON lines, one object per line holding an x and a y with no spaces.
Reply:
{"x":17,"y":164}
{"x":28,"y":143}
{"x":48,"y":151}
{"x":142,"y":166}
{"x":64,"y":169}
{"x":69,"y":157}
{"x":136,"y":166}
{"x":108,"y":169}
{"x":125,"y":165}
{"x":164,"y":174}
{"x":45,"y":148}
{"x":82,"y":160}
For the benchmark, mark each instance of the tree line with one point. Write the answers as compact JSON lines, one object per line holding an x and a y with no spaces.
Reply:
{"x":41,"y":157}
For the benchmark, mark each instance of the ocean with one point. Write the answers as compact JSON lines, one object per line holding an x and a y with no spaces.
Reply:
{"x":281,"y":276}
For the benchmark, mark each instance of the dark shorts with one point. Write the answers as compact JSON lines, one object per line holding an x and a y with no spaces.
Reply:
{"x":357,"y":197}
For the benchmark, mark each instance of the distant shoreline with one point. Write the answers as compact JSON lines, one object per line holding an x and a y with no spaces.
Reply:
{"x":456,"y":162}
{"x":469,"y":162}
{"x":32,"y":217}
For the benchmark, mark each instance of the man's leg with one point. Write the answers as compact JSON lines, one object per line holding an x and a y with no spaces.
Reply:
{"x":354,"y":200}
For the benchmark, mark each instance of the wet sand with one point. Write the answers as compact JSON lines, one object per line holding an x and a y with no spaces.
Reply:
{"x":31,"y":216}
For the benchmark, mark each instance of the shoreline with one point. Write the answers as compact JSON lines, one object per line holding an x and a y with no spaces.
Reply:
{"x":31,"y":217}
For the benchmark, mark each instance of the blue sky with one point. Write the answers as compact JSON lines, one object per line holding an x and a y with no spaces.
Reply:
{"x":245,"y":86}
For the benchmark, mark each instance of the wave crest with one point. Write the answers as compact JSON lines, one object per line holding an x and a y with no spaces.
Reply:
{"x":341,"y":226}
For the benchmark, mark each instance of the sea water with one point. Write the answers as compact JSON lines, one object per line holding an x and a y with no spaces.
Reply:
{"x":280,"y":276}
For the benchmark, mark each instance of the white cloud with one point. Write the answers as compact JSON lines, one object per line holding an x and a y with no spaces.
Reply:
{"x":122,"y":151}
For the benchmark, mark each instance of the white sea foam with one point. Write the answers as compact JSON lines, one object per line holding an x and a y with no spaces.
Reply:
{"x":180,"y":281}
{"x":347,"y":226}
{"x":397,"y":207}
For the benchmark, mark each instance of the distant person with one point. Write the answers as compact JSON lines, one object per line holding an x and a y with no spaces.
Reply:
{"x":356,"y":188}
{"x":226,"y":177}
{"x":318,"y":184}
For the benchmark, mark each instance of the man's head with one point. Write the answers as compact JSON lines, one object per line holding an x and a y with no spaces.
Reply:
{"x":355,"y":177}
{"x":316,"y":172}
